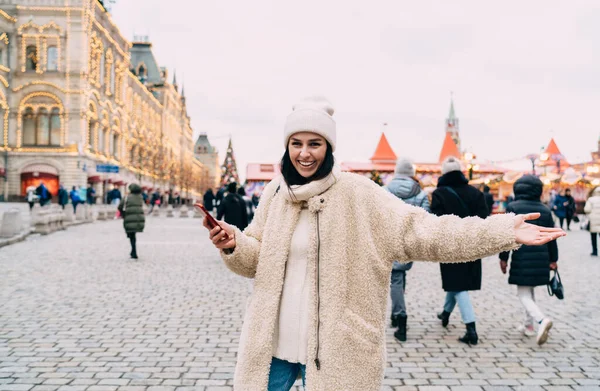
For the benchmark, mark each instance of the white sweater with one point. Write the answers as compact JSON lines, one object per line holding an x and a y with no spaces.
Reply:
{"x":291,"y":332}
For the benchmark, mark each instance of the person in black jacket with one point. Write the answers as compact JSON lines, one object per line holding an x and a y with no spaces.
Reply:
{"x":233,"y":208}
{"x":455,"y":196}
{"x":531,"y":265}
{"x":209,"y":200}
{"x":489,"y":198}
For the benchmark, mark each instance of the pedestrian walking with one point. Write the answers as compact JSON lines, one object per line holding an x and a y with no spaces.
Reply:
{"x":405,"y":187}
{"x":454,"y":196}
{"x":561,"y":203}
{"x":530,"y":265}
{"x":209,"y":200}
{"x":249,"y":205}
{"x":570,"y":207}
{"x":255,"y":199}
{"x":75,"y":198}
{"x":43,"y":194}
{"x":233,"y":208}
{"x":63,"y":197}
{"x":592,"y":210}
{"x":90,"y":195}
{"x":154,"y":201}
{"x":132,"y":212}
{"x":114,"y":196}
{"x":219,"y":196}
{"x":320,"y":249}
{"x":489,"y":199}
{"x":31,"y":196}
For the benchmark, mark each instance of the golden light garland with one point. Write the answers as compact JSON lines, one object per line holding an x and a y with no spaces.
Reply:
{"x":7,"y":16}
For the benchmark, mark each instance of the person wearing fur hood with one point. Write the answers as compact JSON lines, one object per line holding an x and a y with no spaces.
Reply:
{"x":320,"y":250}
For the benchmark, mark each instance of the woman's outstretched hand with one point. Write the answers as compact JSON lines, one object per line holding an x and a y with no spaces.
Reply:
{"x":223,"y":237}
{"x":533,"y":235}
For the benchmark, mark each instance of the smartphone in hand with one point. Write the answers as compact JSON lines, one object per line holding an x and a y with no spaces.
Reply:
{"x":212,"y":223}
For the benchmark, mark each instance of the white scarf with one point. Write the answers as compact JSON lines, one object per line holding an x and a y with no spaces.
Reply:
{"x":300,"y":193}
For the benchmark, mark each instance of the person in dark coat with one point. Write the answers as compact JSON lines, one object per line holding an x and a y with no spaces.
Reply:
{"x":559,"y":207}
{"x":219,"y":196}
{"x":209,"y":200}
{"x":455,"y":196}
{"x":233,"y":208}
{"x":531,"y":265}
{"x":75,"y":198}
{"x":249,"y":205}
{"x":90,"y":195}
{"x":63,"y":197}
{"x":131,"y":209}
{"x":489,"y":199}
{"x":43,"y":194}
{"x":570,"y":208}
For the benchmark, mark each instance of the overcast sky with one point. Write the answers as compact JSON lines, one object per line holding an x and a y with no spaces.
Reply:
{"x":521,"y":71}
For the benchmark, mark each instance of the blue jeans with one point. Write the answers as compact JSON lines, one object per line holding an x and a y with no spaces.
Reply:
{"x":283,"y":374}
{"x":397,"y":287}
{"x":464,"y":305}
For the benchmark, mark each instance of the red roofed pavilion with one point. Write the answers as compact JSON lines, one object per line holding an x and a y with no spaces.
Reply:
{"x":554,"y":156}
{"x":384,"y":152}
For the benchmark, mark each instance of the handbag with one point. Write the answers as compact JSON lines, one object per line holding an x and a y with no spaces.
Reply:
{"x":555,"y":286}
{"x":576,"y":219}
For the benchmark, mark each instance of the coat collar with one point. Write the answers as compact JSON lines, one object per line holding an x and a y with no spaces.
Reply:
{"x":453,"y":178}
{"x":305,"y":192}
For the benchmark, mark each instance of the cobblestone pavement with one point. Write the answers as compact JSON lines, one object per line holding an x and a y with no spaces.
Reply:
{"x":77,"y":314}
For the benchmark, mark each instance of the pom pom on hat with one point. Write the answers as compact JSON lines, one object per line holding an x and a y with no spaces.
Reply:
{"x":313,"y":114}
{"x":451,"y":164}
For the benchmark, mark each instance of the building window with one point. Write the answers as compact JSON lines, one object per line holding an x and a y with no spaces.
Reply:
{"x":28,"y":127}
{"x":43,"y":127}
{"x":101,"y":70}
{"x":115,"y":146}
{"x":102,"y":141}
{"x":52,"y":58}
{"x":31,"y":58}
{"x":90,"y":135}
{"x":55,"y":127}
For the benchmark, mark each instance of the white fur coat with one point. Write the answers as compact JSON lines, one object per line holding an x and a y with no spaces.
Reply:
{"x":362,"y":230}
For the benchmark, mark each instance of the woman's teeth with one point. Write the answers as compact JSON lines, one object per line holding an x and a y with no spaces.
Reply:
{"x":306,"y":164}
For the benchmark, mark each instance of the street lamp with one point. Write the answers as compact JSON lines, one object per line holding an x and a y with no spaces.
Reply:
{"x":469,"y":157}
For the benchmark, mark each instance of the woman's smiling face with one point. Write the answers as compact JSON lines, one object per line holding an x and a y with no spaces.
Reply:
{"x":307,"y":152}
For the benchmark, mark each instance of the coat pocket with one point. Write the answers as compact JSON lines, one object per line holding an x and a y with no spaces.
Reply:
{"x":360,"y":333}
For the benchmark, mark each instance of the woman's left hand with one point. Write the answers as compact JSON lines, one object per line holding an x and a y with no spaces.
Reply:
{"x":533,"y":235}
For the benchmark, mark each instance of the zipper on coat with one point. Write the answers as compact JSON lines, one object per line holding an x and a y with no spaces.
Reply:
{"x":317,"y":362}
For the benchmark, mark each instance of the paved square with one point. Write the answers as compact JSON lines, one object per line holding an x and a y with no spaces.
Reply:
{"x":77,"y":314}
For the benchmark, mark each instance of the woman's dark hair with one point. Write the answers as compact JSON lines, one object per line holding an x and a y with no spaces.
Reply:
{"x":292,"y":176}
{"x":241,"y":191}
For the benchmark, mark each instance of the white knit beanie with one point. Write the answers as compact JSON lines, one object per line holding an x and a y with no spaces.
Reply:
{"x":451,"y":164}
{"x":405,"y":167}
{"x":311,"y":115}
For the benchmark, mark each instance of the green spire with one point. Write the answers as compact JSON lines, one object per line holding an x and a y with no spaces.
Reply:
{"x":451,"y":115}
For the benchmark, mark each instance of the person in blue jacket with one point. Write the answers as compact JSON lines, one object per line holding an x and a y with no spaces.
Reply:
{"x":407,"y":188}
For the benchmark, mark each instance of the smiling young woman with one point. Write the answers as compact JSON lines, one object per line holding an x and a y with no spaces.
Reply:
{"x":321,"y":248}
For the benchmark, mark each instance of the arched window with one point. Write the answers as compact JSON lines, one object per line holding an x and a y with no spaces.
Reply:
{"x":28,"y":127}
{"x":113,"y":82}
{"x":42,"y":127}
{"x":31,"y":58}
{"x":102,"y":140}
{"x":91,"y":130}
{"x":102,"y":70}
{"x":52,"y":58}
{"x":115,"y":146}
{"x":55,"y":126}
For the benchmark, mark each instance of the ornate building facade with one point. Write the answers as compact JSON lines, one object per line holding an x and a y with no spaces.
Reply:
{"x":208,"y":155}
{"x":76,"y":95}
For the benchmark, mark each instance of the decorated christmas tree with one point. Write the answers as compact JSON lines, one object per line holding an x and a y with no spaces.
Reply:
{"x":229,"y":167}
{"x":375,"y":177}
